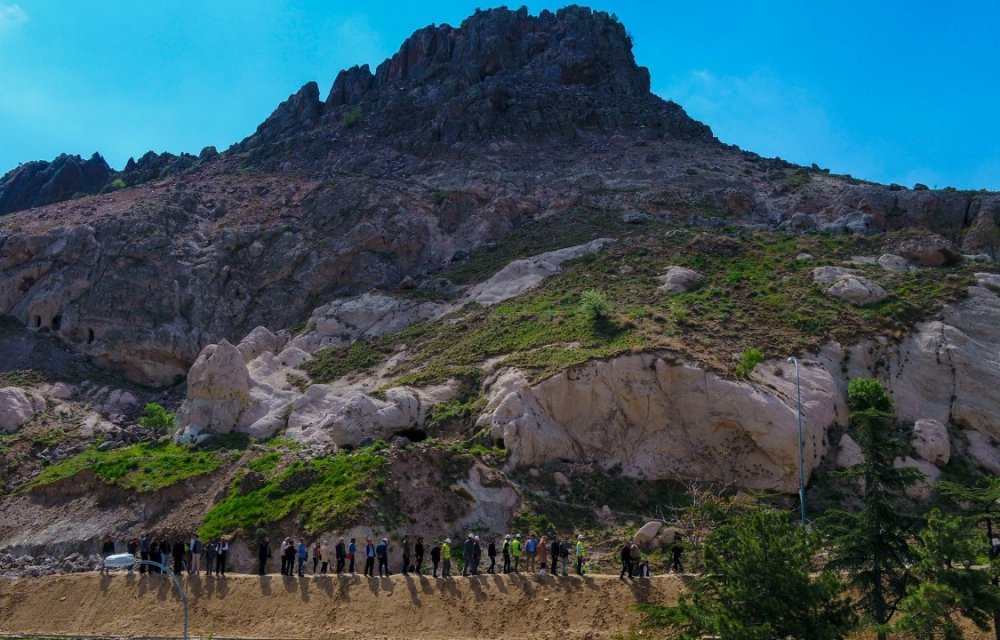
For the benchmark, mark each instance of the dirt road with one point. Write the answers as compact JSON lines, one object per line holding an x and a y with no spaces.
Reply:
{"x":515,"y":606}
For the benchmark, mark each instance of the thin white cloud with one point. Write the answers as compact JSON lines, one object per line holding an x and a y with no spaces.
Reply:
{"x":12,"y":16}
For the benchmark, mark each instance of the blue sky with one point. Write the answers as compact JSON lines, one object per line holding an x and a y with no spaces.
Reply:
{"x":889,"y":91}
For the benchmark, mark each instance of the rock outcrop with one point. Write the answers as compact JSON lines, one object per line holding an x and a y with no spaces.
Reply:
{"x":16,"y":408}
{"x":658,"y":419}
{"x":679,"y":280}
{"x":39,"y":183}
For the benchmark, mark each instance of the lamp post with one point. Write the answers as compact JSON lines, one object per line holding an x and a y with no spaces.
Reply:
{"x":802,"y":457}
{"x":123,"y":560}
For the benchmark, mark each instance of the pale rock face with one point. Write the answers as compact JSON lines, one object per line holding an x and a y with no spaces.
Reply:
{"x":829,"y":275}
{"x":218,"y":389}
{"x":848,"y":452}
{"x":647,"y":533}
{"x":494,"y":502}
{"x":366,"y":316}
{"x":523,"y":275}
{"x":679,"y":279}
{"x":60,"y":391}
{"x":660,"y":420}
{"x":16,"y":408}
{"x":258,"y":341}
{"x":929,"y":250}
{"x":983,"y":451}
{"x":857,"y":290}
{"x":930,"y":441}
{"x":892,"y":262}
{"x":324,"y":416}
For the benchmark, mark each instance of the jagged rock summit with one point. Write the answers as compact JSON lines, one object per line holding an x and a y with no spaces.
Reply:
{"x":501,"y":74}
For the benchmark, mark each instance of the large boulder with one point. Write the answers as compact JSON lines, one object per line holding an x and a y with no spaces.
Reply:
{"x":984,"y":451}
{"x":16,"y":408}
{"x":658,"y":419}
{"x":830,"y":274}
{"x":679,"y":280}
{"x":848,"y":452}
{"x":218,"y":389}
{"x":857,"y":290}
{"x":892,"y":262}
{"x":930,"y":441}
{"x":322,"y":415}
{"x":523,"y":275}
{"x":647,"y":533}
{"x":928,"y":250}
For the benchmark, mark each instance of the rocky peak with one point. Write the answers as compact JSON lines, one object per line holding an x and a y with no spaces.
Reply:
{"x":38,"y":183}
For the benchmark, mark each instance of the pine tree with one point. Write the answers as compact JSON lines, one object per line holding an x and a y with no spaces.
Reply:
{"x":756,"y":585}
{"x":871,"y":544}
{"x":948,"y":583}
{"x":980,"y":505}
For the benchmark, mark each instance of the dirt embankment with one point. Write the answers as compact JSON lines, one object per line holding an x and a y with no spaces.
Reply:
{"x":491,"y":606}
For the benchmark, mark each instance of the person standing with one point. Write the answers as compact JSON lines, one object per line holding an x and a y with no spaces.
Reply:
{"x":477,"y":555}
{"x":143,"y":551}
{"x":220,"y":560}
{"x":284,"y":556}
{"x":290,"y":558}
{"x":418,"y":552}
{"x":564,"y":555}
{"x":635,"y":558}
{"x":340,"y":551}
{"x":446,"y":558}
{"x":317,"y":556}
{"x":178,"y":553}
{"x":406,"y":554}
{"x":543,"y":554}
{"x":107,"y":549}
{"x":352,"y":552}
{"x":154,"y":554}
{"x":626,"y":558}
{"x":491,"y":551}
{"x":195,"y":546}
{"x":165,"y":552}
{"x":580,"y":554}
{"x":515,"y":552}
{"x":530,"y":549}
{"x":263,"y":553}
{"x":435,"y":558}
{"x":675,"y":554}
{"x":302,"y":554}
{"x":468,"y":548}
{"x":506,"y":553}
{"x":133,"y":547}
{"x":382,"y":555}
{"x":324,"y":554}
{"x":211,"y":550}
{"x":369,"y":559}
{"x":554,"y":552}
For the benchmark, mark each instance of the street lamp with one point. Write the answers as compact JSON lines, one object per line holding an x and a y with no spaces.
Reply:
{"x":802,"y":457}
{"x":123,"y":560}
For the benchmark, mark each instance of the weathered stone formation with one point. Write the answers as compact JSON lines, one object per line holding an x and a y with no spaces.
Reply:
{"x":39,"y":183}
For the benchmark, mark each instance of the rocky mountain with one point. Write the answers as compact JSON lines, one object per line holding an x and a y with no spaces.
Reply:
{"x":502,"y":254}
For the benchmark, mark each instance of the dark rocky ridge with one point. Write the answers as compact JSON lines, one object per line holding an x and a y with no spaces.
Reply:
{"x":501,"y":75}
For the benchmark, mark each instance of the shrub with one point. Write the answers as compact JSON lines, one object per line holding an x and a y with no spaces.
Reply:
{"x":353,"y":117}
{"x":593,"y":305}
{"x":157,"y":419}
{"x":748,"y":361}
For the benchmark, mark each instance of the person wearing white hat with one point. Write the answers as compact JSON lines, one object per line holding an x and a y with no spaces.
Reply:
{"x":446,"y":558}
{"x":382,"y":554}
{"x":467,"y":550}
{"x":581,"y":552}
{"x":477,"y":554}
{"x":506,"y":553}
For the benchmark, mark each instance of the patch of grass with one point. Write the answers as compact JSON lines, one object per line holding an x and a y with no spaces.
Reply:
{"x":322,"y":493}
{"x":22,"y":378}
{"x":750,"y":359}
{"x":337,"y":362}
{"x":50,"y":438}
{"x":352,"y":118}
{"x":142,"y":467}
{"x":265,"y":463}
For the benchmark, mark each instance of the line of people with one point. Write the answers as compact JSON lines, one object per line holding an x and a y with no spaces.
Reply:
{"x":184,"y":555}
{"x":533,"y":554}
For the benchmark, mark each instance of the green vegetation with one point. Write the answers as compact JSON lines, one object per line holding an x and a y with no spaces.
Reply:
{"x":757,"y":586}
{"x":142,"y":467}
{"x":594,"y":306}
{"x":157,"y":419}
{"x":352,"y":118}
{"x":321,"y":493}
{"x":22,"y":378}
{"x":117,"y":184}
{"x":335,"y":362}
{"x":750,"y":359}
